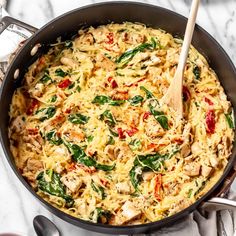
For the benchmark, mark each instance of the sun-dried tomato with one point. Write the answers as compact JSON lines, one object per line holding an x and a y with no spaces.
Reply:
{"x":110,"y":38}
{"x":112,"y":82}
{"x":210,"y":122}
{"x":132,"y":131}
{"x":104,"y":182}
{"x":146,"y":115}
{"x":64,"y":84}
{"x":121,"y":133}
{"x":157,"y":190}
{"x":34,"y":104}
{"x":207,"y":100}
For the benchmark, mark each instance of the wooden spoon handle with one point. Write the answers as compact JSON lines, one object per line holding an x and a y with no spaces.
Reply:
{"x":188,"y":35}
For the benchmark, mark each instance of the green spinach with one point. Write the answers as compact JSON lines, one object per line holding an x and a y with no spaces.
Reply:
{"x":142,"y":163}
{"x":148,"y":93}
{"x":48,"y":113}
{"x":128,"y":55}
{"x":136,"y":100}
{"x":90,"y":138}
{"x":99,"y":189}
{"x":108,"y":118}
{"x":135,"y":144}
{"x":160,"y":117}
{"x":53,"y":98}
{"x":80,"y":156}
{"x":101,"y":100}
{"x":60,"y":72}
{"x":78,"y":119}
{"x":111,"y":140}
{"x":229,"y":120}
{"x":197,"y":72}
{"x":46,"y":77}
{"x":53,"y":138}
{"x":101,"y":216}
{"x":54,"y":186}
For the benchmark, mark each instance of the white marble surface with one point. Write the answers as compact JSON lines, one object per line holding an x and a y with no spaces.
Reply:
{"x":17,"y":206}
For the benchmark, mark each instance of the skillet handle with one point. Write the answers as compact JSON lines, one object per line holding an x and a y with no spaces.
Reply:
{"x":7,"y":20}
{"x":220,"y":202}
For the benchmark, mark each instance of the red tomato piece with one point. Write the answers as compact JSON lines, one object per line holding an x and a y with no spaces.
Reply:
{"x":110,"y":79}
{"x":146,"y":115}
{"x":210,"y":122}
{"x":114,"y":84}
{"x":104,"y":182}
{"x":34,"y":104}
{"x":121,"y":133}
{"x":64,"y":84}
{"x":157,"y":189}
{"x":132,"y":131}
{"x":207,"y":100}
{"x":110,"y":38}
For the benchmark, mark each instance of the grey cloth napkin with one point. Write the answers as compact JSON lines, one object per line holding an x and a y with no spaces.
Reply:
{"x":213,"y":223}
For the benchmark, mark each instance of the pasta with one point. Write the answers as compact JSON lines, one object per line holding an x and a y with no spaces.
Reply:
{"x":89,"y":135}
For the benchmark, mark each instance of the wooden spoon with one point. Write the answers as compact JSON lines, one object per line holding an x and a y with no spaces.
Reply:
{"x":173,"y":97}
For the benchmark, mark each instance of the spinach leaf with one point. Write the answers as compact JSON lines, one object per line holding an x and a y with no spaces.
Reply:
{"x":101,"y":216}
{"x":54,"y":186}
{"x":160,"y":117}
{"x":128,"y":55}
{"x":229,"y":120}
{"x":90,"y":138}
{"x":111,"y":140}
{"x":78,"y":88}
{"x":40,"y":110}
{"x":135,"y":144}
{"x":115,"y":134}
{"x":105,"y":167}
{"x":136,"y":176}
{"x":101,"y":100}
{"x":99,"y":189}
{"x":78,"y":119}
{"x":108,"y":118}
{"x":71,"y":86}
{"x":60,"y":72}
{"x":53,"y":138}
{"x":48,"y":113}
{"x":197,"y":72}
{"x":116,"y":102}
{"x":190,"y":192}
{"x":136,"y":100}
{"x":80,"y":156}
{"x":53,"y":98}
{"x":148,"y":93}
{"x":46,"y":77}
{"x":152,"y":162}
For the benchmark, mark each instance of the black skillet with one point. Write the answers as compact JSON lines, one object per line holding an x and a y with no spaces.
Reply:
{"x":103,"y":13}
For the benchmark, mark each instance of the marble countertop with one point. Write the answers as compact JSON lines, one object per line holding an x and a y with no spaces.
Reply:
{"x":17,"y":206}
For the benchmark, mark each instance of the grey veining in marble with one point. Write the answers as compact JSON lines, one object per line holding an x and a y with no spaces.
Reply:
{"x":17,"y":206}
